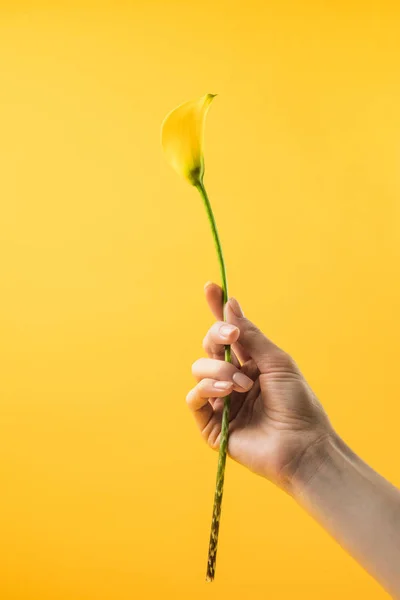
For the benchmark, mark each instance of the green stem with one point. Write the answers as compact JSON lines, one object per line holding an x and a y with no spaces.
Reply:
{"x":223,"y":447}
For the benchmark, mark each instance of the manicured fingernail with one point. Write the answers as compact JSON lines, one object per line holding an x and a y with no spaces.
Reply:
{"x":242,"y":380}
{"x":235,"y":306}
{"x":226,"y":330}
{"x":222,"y":385}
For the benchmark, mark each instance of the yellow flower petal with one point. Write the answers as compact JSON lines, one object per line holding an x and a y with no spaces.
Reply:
{"x":182,"y":136}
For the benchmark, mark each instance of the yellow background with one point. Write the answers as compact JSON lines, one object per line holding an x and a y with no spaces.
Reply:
{"x":106,"y":487}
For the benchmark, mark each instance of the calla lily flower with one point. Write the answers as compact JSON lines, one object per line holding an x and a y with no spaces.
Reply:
{"x":182,"y":138}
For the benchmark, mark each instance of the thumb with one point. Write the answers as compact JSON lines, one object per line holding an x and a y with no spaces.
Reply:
{"x":251,"y":338}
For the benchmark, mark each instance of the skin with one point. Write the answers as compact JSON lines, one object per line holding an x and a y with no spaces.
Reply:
{"x":279,"y":430}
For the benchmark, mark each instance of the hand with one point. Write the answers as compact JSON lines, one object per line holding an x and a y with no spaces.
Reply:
{"x":275,"y":417}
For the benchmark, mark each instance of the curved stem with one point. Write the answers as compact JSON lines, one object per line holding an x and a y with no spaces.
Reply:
{"x":223,"y":447}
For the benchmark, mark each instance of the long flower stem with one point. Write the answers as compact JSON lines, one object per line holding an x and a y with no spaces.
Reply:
{"x":223,"y":447}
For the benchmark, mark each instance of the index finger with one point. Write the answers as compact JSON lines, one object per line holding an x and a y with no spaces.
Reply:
{"x":215,"y":296}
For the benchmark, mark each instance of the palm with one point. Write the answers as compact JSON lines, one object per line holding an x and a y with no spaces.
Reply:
{"x":271,"y":424}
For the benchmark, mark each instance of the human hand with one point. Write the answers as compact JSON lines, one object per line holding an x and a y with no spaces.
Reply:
{"x":275,"y":418}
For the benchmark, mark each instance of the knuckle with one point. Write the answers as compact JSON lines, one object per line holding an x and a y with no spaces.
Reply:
{"x":196,"y":365}
{"x":253,"y":329}
{"x":204,"y":384}
{"x":251,"y":333}
{"x":190,"y":396}
{"x":282,"y":363}
{"x":289,"y":363}
{"x":206,"y":343}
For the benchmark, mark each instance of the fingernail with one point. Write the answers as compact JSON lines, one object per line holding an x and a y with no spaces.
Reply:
{"x":207,"y":284}
{"x":242,"y":380}
{"x":226,"y":330}
{"x":222,"y":385}
{"x":235,"y":306}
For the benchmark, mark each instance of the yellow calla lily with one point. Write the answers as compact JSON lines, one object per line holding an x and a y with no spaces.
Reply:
{"x":182,"y":136}
{"x":182,"y":140}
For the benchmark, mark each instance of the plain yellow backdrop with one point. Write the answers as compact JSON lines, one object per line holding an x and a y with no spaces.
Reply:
{"x":106,"y":487}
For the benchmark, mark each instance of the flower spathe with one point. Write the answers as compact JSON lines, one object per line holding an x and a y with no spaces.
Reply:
{"x":182,"y":138}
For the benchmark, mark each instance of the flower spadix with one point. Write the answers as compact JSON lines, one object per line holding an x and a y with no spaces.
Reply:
{"x":182,"y":138}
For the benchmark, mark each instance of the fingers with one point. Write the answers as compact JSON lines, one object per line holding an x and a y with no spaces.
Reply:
{"x":198,"y":399}
{"x":205,"y":389}
{"x":219,"y":335}
{"x":258,"y":346}
{"x":209,"y":368}
{"x":214,"y":297}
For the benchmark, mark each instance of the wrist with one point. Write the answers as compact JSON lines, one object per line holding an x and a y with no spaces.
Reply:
{"x":317,"y":459}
